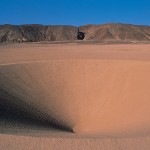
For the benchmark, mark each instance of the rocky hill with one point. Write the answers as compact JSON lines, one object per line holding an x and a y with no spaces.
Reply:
{"x":35,"y":33}
{"x":116,"y":31}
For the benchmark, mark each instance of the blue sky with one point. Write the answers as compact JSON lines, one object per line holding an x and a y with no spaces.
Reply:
{"x":74,"y":12}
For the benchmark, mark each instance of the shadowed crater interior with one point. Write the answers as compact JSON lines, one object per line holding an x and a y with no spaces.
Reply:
{"x":18,"y":114}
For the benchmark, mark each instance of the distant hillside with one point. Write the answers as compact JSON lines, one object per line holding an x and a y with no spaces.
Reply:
{"x":116,"y":31}
{"x":35,"y":33}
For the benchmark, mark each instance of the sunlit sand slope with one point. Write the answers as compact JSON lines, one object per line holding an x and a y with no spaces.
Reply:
{"x":90,"y":96}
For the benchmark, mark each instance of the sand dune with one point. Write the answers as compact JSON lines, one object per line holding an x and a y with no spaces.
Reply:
{"x":106,"y":95}
{"x":86,"y":96}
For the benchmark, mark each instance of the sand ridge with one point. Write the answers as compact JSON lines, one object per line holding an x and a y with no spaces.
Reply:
{"x":15,"y":53}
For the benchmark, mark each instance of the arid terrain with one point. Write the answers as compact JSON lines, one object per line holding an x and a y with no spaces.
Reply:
{"x":75,"y":96}
{"x":103,"y":32}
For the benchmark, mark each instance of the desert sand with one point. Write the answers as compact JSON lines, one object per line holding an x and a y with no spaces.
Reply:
{"x":85,"y":96}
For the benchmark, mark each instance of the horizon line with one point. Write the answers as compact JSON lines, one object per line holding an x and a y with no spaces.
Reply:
{"x":88,"y":24}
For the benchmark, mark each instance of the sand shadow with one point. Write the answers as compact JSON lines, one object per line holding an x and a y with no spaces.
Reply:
{"x":15,"y":113}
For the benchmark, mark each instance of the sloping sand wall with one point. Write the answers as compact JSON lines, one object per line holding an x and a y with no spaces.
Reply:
{"x":90,"y":96}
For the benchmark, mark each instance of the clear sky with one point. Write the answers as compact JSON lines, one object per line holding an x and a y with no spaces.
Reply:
{"x":74,"y":12}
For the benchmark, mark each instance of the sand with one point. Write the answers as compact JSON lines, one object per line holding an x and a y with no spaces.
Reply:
{"x":98,"y":95}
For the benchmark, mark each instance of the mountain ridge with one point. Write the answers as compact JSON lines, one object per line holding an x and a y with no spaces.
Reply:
{"x":36,"y":32}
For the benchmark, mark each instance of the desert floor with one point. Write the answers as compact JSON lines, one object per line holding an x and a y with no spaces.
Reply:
{"x":74,"y":96}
